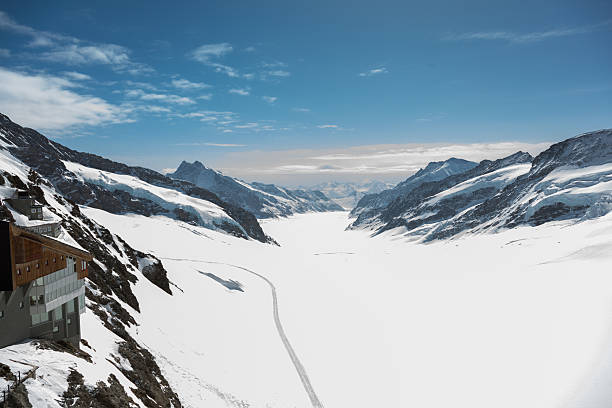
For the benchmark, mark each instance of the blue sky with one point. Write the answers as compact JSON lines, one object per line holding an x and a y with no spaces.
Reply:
{"x":260,"y":89}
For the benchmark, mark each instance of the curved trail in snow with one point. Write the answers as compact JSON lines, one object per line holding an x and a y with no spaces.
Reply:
{"x":314,"y":399}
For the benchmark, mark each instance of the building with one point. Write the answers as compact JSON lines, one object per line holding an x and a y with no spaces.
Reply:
{"x":23,"y":202}
{"x":42,"y":292}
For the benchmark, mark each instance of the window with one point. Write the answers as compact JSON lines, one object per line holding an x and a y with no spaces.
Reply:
{"x":54,"y":259}
{"x":27,"y":269}
{"x":33,"y":210}
{"x":70,"y":306}
{"x":55,"y":329}
{"x":39,"y":281}
{"x":18,"y":271}
{"x":35,"y":319}
{"x":37,"y":266}
{"x":69,"y":320}
{"x":41,"y":299}
{"x":46,"y":262}
{"x":44,"y":317}
{"x":57,"y":313}
{"x":33,"y":300}
{"x":1,"y":314}
{"x":21,"y":305}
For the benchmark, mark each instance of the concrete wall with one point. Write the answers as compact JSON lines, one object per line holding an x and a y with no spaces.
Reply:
{"x":16,"y":325}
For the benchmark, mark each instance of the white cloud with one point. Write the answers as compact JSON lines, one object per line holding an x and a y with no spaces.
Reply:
{"x":206,"y":97}
{"x":211,"y":144}
{"x":535,"y":36}
{"x":72,"y":51}
{"x":208,"y":54}
{"x":48,"y":103}
{"x":74,"y":54}
{"x":248,"y":76}
{"x":327,"y":126}
{"x":169,"y":98}
{"x":77,"y":76}
{"x":5,"y":53}
{"x":386,"y":162}
{"x":243,"y":92}
{"x":375,"y":71}
{"x":269,"y":99}
{"x":185,"y":84}
{"x":250,"y":49}
{"x":225,"y":144}
{"x":279,"y":73}
{"x":250,"y":125}
{"x":300,"y":110}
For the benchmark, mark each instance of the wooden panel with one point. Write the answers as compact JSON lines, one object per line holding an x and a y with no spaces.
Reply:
{"x":27,"y":272}
{"x":27,"y":250}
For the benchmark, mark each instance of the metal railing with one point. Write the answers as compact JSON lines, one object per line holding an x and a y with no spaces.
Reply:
{"x":29,"y":374}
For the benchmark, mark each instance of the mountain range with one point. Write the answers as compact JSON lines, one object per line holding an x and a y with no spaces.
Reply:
{"x":570,"y":180}
{"x":263,"y":200}
{"x":170,"y":303}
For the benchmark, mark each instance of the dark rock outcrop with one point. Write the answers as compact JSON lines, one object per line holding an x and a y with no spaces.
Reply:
{"x":78,"y":395}
{"x":45,"y":157}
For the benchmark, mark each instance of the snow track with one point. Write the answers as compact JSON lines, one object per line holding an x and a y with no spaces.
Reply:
{"x":314,"y":399}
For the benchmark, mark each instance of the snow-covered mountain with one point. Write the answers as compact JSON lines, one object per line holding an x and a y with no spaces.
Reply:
{"x":183,"y":311}
{"x":571,"y":179}
{"x":371,"y":204}
{"x":348,"y":194}
{"x":263,"y":200}
{"x":115,"y":187}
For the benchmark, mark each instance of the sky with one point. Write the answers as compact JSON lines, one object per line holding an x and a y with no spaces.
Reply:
{"x":304,"y":92}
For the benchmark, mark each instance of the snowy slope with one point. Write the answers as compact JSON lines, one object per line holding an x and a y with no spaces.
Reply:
{"x":358,"y":315}
{"x":361,"y":319}
{"x":264,"y":200}
{"x":207,"y":213}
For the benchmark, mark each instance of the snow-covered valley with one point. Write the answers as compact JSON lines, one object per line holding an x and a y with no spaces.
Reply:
{"x":518,"y":318}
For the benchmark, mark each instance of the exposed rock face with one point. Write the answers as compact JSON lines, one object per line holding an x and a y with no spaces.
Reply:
{"x":79,"y":395}
{"x":414,"y":190}
{"x":263,"y":200}
{"x":552,"y":188}
{"x":18,"y":398}
{"x":45,"y":157}
{"x":371,"y":204}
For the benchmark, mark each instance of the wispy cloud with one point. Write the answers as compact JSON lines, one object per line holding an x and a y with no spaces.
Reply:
{"x":250,"y":49}
{"x":169,"y":98}
{"x":47,"y":102}
{"x":237,"y":91}
{"x":374,"y":71}
{"x":327,"y":126}
{"x":211,"y":144}
{"x":73,"y":51}
{"x":279,"y":73}
{"x":225,"y":144}
{"x":300,"y":110}
{"x":77,"y":76}
{"x":5,"y":53}
{"x":181,"y":83}
{"x":208,"y":54}
{"x":534,"y":36}
{"x":206,"y":97}
{"x":269,"y":99}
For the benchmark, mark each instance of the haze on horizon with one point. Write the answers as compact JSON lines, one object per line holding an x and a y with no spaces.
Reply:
{"x":298,"y":94}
